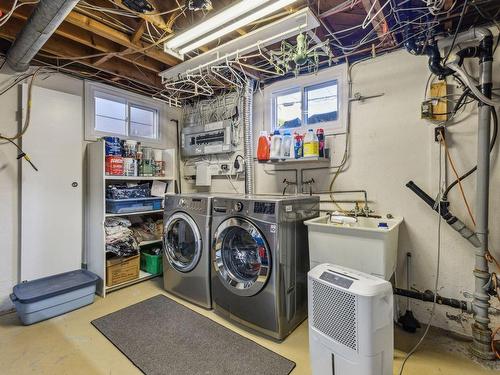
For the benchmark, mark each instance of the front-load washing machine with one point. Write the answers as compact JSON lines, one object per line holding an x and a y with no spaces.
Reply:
{"x":260,"y":261}
{"x":186,"y":244}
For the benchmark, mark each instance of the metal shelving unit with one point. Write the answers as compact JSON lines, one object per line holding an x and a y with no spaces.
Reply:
{"x":95,"y":212}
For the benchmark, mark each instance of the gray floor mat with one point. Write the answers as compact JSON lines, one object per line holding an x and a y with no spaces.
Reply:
{"x":161,"y":336}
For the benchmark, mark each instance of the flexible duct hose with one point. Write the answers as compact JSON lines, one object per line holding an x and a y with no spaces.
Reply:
{"x":248,"y":135}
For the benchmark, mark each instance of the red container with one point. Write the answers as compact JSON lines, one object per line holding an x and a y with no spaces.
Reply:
{"x":114,"y":165}
{"x":263,"y":147}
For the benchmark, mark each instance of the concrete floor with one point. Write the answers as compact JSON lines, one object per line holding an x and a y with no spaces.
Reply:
{"x":69,"y":344}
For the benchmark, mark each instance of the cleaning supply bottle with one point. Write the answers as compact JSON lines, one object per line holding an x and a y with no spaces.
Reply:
{"x":298,"y":146}
{"x":311,"y":144}
{"x":276,"y":141}
{"x":286,"y":145}
{"x":263,"y":147}
{"x":320,"y":133}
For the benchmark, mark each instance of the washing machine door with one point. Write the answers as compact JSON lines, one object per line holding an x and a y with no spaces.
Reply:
{"x":241,"y":256}
{"x":182,"y":242}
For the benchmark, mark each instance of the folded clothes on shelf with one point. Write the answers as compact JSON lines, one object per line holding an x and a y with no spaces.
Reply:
{"x":120,"y":239}
{"x":148,"y":229}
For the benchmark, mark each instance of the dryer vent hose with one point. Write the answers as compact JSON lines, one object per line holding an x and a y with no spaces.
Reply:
{"x":248,"y":134}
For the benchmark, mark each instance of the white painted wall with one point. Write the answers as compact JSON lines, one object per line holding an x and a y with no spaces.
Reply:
{"x":9,"y":191}
{"x":391,"y":145}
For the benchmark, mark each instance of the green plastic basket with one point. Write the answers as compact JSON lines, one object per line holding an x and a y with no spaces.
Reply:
{"x":152,"y":264}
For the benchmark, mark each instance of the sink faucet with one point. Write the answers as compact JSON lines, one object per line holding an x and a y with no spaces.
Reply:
{"x":309,"y":182}
{"x":358,"y":211}
{"x":287,"y":184}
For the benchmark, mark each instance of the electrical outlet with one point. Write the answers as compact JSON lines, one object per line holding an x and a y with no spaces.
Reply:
{"x":224,"y":167}
{"x":426,"y":110}
{"x":439,"y":131}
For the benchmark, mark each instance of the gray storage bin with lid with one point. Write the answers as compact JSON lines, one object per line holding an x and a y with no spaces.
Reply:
{"x":45,"y":298}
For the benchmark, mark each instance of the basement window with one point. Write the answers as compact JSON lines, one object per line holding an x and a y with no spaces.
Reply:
{"x":114,"y":112}
{"x":312,"y":101}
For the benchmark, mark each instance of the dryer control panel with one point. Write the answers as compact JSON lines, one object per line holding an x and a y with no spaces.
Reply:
{"x":186,"y":203}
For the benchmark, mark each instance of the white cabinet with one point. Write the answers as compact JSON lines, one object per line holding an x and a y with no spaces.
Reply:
{"x":95,"y":212}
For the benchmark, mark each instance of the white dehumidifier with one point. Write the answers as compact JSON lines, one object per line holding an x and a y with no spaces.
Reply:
{"x":350,"y":322}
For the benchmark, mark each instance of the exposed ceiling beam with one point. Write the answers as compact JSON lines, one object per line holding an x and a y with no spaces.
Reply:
{"x":378,"y":22}
{"x":60,"y":47}
{"x":155,"y":19}
{"x":136,"y":36}
{"x":97,"y":42}
{"x":100,"y":29}
{"x":119,"y":37}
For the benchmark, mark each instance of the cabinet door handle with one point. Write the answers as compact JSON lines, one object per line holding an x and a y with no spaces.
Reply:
{"x":74,"y":184}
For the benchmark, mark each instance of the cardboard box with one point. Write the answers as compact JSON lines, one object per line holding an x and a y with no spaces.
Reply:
{"x":121,"y":269}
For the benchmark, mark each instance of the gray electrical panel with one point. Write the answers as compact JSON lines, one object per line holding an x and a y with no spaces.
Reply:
{"x":209,"y":139}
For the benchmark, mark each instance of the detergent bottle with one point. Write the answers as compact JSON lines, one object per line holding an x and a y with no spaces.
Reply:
{"x":286,"y":145}
{"x":276,"y":141}
{"x":311,"y":144}
{"x":263,"y":147}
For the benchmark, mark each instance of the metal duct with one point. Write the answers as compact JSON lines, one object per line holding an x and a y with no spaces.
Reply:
{"x":248,"y":135}
{"x":45,"y":19}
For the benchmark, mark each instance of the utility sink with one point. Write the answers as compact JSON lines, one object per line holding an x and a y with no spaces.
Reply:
{"x":365,"y":244}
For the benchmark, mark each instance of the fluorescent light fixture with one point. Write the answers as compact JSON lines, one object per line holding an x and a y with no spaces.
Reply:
{"x":253,"y":16}
{"x":214,"y":22}
{"x":300,"y":21}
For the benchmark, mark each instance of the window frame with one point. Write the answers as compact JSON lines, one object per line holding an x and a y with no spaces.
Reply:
{"x":130,"y":99}
{"x":274,"y":106}
{"x":337,"y":73}
{"x":305,"y":103}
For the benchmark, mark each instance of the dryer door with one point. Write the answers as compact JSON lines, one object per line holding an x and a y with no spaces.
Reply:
{"x":182,"y":242}
{"x":241,"y":256}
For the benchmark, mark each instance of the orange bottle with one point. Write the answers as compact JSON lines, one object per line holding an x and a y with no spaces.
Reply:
{"x":263,"y":147}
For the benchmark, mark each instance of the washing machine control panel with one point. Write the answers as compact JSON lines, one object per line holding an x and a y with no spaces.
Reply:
{"x":266,"y":208}
{"x":238,"y":206}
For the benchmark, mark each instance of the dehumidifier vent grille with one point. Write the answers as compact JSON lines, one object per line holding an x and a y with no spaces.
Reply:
{"x":334,"y":314}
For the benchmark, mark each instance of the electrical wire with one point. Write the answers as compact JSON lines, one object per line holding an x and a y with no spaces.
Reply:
{"x":472,"y":170}
{"x":438,"y":266}
{"x":6,"y":17}
{"x":452,"y":164}
{"x":22,"y":154}
{"x":28,"y":111}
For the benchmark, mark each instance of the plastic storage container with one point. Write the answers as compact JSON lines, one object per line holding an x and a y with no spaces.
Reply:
{"x":51,"y":296}
{"x":368,"y":245}
{"x":151,"y":263}
{"x":128,"y":192}
{"x":123,"y":206}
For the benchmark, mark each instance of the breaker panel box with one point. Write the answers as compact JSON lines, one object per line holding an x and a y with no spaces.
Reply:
{"x":209,"y":139}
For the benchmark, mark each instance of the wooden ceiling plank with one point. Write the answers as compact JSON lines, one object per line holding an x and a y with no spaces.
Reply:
{"x":136,"y":36}
{"x":59,"y":46}
{"x":99,"y":29}
{"x":155,"y":19}
{"x":97,"y":42}
{"x":379,"y":23}
{"x":116,"y":36}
